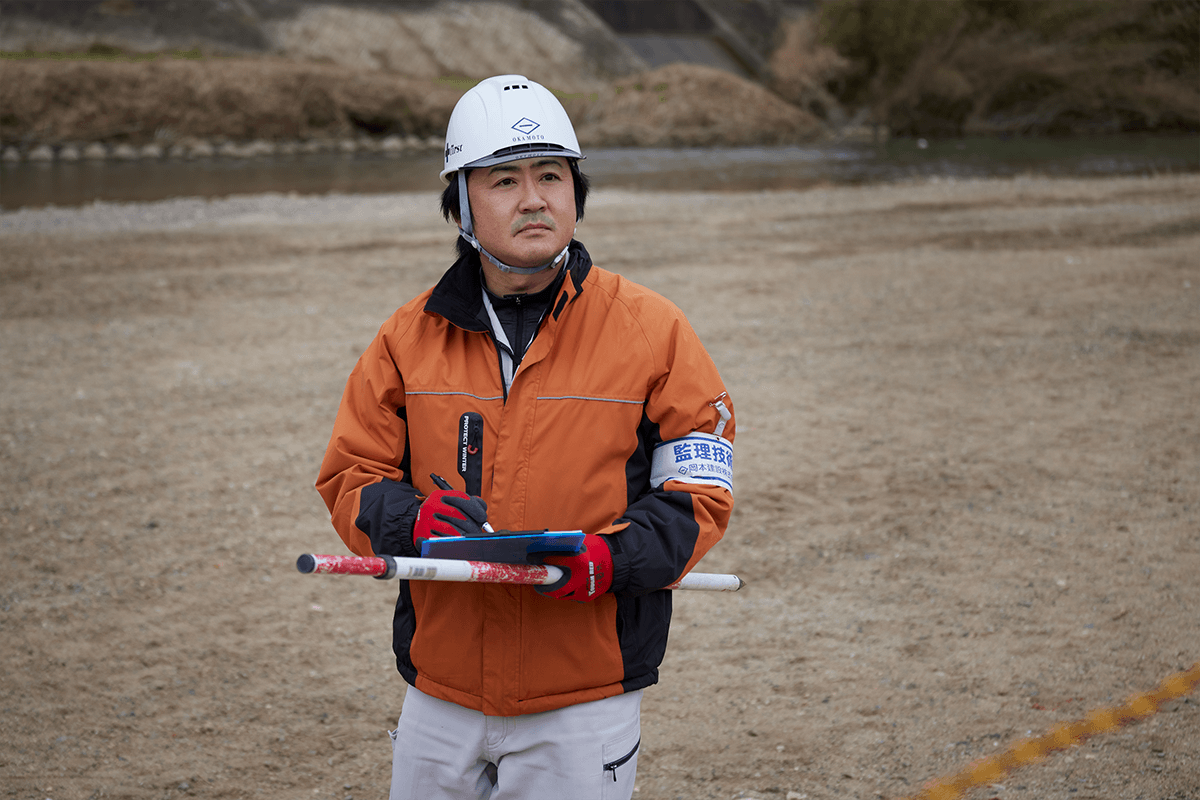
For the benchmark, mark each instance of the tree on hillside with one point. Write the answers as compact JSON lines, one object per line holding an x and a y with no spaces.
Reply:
{"x":953,"y":67}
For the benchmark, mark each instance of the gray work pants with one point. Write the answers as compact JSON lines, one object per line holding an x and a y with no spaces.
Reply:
{"x":442,"y":751}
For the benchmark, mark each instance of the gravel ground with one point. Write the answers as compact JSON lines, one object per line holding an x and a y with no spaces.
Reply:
{"x":968,"y":499}
{"x":189,"y":212}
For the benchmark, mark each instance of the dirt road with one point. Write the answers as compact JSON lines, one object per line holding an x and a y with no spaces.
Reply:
{"x":968,"y":489}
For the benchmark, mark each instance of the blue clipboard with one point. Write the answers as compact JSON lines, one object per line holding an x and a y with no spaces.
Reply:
{"x":517,"y":547}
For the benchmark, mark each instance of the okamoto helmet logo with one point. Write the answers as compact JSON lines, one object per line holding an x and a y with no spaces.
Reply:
{"x":526,"y":126}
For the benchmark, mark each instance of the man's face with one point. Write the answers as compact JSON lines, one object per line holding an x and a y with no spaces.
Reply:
{"x":523,"y":211}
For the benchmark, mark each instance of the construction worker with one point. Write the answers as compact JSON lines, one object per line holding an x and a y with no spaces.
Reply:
{"x":593,"y":406}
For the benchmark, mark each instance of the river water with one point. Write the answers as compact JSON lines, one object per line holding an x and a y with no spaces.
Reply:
{"x":34,"y":185}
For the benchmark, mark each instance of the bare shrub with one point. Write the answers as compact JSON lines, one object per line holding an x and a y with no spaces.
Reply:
{"x":802,"y":69}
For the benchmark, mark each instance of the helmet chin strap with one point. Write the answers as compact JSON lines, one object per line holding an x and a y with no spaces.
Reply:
{"x":465,"y":230}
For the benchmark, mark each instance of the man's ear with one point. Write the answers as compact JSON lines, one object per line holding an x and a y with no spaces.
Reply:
{"x":449,"y":202}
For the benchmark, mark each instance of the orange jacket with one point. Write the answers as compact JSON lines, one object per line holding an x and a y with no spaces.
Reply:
{"x":614,"y":372}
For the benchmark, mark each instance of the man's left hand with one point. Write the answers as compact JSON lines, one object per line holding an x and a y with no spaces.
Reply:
{"x":587,"y":574}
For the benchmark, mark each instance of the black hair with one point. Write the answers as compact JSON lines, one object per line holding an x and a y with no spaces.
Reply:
{"x":450,"y":202}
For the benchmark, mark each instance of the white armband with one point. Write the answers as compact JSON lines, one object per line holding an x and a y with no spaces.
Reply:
{"x":695,"y":458}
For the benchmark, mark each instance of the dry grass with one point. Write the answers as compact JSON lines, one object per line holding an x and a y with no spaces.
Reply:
{"x":683,"y":105}
{"x":250,"y":98}
{"x":235,"y":98}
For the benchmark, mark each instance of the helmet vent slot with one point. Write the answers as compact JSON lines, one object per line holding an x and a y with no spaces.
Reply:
{"x":516,"y":86}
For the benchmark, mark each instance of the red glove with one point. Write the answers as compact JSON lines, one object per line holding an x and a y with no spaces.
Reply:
{"x":588,"y":573}
{"x":449,"y":513}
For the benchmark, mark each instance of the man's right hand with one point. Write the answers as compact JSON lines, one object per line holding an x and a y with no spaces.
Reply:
{"x":449,"y":513}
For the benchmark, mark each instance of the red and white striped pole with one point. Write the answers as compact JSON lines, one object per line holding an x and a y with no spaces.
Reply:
{"x":445,"y":569}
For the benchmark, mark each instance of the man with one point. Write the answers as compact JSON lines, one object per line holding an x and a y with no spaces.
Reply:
{"x":588,"y":403}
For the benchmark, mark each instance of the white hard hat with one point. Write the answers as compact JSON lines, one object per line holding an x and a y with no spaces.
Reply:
{"x":506,"y":118}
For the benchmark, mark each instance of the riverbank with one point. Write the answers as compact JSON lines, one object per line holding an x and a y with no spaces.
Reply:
{"x":129,"y":76}
{"x":967,"y":510}
{"x":189,"y":107}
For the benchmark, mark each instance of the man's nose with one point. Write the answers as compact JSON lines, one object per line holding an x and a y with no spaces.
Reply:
{"x":532,"y":198}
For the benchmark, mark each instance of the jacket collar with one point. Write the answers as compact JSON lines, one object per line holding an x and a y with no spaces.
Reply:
{"x":458,"y":296}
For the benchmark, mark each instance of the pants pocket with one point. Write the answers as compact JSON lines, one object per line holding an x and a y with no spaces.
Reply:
{"x":620,"y":765}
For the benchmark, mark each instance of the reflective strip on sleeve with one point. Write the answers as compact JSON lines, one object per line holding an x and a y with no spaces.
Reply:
{"x":695,"y":458}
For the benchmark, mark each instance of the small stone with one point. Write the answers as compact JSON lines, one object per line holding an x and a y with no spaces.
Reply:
{"x":11,"y":154}
{"x":95,"y":152}
{"x":152,"y":150}
{"x":201,"y":149}
{"x":69,"y":152}
{"x":126,"y":152}
{"x":42,"y":152}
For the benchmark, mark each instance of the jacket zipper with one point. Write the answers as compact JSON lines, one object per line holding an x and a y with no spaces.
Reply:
{"x":612,"y":765}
